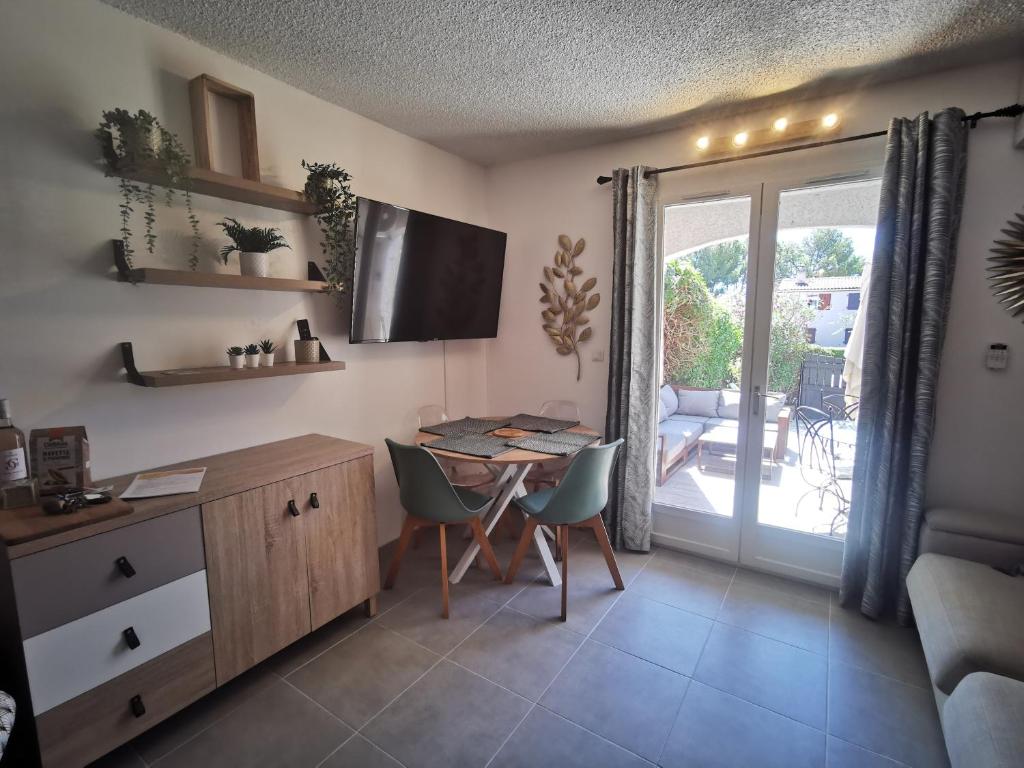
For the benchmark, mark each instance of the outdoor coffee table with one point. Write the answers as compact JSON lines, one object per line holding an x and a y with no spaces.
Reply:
{"x":722,"y":441}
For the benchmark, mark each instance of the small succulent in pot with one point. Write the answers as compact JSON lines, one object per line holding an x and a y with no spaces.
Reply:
{"x":267,"y":348}
{"x":253,"y":244}
{"x":252,"y":355}
{"x":236,"y":357}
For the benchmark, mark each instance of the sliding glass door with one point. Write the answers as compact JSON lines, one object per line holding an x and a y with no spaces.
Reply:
{"x":764,"y":318}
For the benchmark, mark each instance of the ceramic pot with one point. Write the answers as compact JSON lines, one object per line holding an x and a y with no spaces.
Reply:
{"x":236,"y":361}
{"x":307,"y":351}
{"x":254,"y":264}
{"x":252,"y":361}
{"x":266,"y":359}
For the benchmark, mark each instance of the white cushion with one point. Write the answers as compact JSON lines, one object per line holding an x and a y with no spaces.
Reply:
{"x":662,"y":413}
{"x":983,"y":722}
{"x":773,"y":405}
{"x":668,"y":399}
{"x":698,"y":402}
{"x":729,"y":404}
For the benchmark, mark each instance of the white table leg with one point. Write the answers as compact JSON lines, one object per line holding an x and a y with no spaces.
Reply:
{"x":511,"y":479}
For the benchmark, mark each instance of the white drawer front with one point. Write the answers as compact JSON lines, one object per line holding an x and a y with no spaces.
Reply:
{"x":76,"y":657}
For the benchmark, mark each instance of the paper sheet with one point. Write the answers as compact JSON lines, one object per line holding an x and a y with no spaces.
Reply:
{"x":148,"y":484}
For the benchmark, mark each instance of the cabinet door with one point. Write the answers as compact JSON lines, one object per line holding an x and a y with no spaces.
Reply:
{"x":341,"y":538}
{"x":256,"y":568}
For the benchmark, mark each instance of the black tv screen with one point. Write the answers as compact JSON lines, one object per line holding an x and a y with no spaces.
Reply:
{"x":420,"y":277}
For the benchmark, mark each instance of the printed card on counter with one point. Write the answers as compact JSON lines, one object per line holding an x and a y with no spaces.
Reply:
{"x":169,"y":483}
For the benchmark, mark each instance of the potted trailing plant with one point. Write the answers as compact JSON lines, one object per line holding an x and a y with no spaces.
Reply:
{"x":236,"y":357}
{"x":252,"y":355}
{"x":267,"y":352}
{"x":327,"y":187}
{"x":134,"y":144}
{"x":253,"y":244}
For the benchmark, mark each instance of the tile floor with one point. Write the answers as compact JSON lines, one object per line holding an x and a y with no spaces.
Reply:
{"x":696,"y":664}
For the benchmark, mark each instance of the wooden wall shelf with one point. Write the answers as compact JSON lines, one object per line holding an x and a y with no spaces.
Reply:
{"x":217,"y":280}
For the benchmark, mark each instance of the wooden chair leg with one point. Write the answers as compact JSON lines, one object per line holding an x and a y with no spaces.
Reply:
{"x":408,"y":527}
{"x":597,"y":526}
{"x":444,"y":572}
{"x":558,"y":543}
{"x":564,"y":535}
{"x":524,"y":544}
{"x":485,"y":546}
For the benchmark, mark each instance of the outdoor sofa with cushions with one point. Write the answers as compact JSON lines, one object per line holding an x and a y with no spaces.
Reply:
{"x":971,"y":620}
{"x":685,"y":414}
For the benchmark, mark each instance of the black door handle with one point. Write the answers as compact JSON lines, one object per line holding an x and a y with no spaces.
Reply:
{"x":292,"y":509}
{"x":314,"y":502}
{"x":138,"y":708}
{"x":132,"y":638}
{"x":126,"y":568}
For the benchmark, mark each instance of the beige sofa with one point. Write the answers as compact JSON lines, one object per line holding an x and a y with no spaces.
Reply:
{"x":971,"y":620}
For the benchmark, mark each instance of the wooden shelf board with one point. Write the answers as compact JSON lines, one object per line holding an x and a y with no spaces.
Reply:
{"x":218,"y":280}
{"x":182,"y":376}
{"x":214,"y":184}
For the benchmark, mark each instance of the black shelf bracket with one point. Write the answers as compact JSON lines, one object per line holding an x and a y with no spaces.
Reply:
{"x":134,"y":377}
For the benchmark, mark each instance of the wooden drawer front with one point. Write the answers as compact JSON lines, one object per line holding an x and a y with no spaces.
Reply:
{"x":65,"y":583}
{"x":88,"y":726}
{"x":70,"y":660}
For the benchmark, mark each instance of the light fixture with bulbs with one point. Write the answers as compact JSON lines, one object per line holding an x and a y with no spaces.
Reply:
{"x":781,"y":130}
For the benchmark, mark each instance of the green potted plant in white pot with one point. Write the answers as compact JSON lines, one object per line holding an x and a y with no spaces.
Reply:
{"x":253,"y":244}
{"x":267,"y":349}
{"x":236,"y":357}
{"x":252,"y":355}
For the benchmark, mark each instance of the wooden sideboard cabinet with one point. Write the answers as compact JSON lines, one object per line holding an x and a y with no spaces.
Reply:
{"x":109,"y":628}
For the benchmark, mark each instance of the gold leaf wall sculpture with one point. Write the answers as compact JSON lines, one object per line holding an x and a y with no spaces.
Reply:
{"x":568,"y":299}
{"x":1006,"y":273}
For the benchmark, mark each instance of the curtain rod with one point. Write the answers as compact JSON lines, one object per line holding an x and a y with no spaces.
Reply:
{"x":1011,"y":111}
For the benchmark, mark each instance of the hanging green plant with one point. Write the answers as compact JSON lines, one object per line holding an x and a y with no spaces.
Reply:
{"x":327,"y":187}
{"x":134,"y":143}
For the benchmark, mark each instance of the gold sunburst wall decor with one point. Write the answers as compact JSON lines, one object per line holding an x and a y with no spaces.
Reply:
{"x":568,"y":299}
{"x":1006,"y":272}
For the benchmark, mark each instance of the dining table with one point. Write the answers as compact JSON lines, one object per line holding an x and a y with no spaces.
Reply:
{"x":511,"y":469}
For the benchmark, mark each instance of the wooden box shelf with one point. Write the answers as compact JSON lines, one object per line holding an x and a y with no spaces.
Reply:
{"x":219,"y":280}
{"x":181,"y":376}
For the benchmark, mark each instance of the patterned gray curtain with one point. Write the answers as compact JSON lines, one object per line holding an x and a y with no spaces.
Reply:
{"x":911,"y":276}
{"x":632,"y":370}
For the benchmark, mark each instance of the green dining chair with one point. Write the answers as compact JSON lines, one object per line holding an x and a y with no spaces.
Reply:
{"x":430,"y":500}
{"x":576,"y":502}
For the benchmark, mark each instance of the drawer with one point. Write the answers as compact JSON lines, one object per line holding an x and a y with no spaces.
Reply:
{"x":68,"y":661}
{"x":88,"y":726}
{"x":65,"y":583}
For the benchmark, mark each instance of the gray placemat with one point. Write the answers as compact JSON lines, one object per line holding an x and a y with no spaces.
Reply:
{"x":561,"y":444}
{"x":466,"y":426}
{"x":485,"y":446}
{"x":540,"y":423}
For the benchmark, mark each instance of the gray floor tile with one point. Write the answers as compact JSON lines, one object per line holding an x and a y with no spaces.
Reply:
{"x":716,"y":730}
{"x":545,"y":739}
{"x":359,"y":677}
{"x":695,"y":562}
{"x":419,"y":618}
{"x":624,"y":699}
{"x":877,"y":646}
{"x":685,"y":582}
{"x":300,"y":652}
{"x":885,"y":716}
{"x":659,"y":633}
{"x":278,"y":726}
{"x":449,"y":718}
{"x":585,"y":557}
{"x":778,"y":615}
{"x":176,"y":730}
{"x":359,"y":753}
{"x":763,"y":671}
{"x":790,"y":587}
{"x":843,"y":754}
{"x":518,"y":651}
{"x":589,"y":600}
{"x":122,"y":757}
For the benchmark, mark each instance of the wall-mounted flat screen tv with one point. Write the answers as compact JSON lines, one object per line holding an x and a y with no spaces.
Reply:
{"x":420,"y":277}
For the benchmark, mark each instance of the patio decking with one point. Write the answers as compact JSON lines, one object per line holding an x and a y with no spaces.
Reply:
{"x":785,"y":501}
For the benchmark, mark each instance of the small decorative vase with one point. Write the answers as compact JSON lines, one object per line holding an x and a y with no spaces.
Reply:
{"x":307,"y":351}
{"x":254,"y":264}
{"x":236,"y":361}
{"x":266,"y":359}
{"x":252,"y":361}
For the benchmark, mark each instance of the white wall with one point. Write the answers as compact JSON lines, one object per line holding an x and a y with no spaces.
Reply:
{"x":62,"y":314}
{"x":976,"y":453}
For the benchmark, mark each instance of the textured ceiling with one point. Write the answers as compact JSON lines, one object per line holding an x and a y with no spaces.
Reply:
{"x":494,"y":81}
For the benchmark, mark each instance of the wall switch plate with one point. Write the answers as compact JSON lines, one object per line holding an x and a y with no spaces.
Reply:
{"x":598,"y":356}
{"x":997,"y":357}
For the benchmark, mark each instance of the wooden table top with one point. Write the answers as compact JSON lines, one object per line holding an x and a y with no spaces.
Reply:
{"x":515,"y":456}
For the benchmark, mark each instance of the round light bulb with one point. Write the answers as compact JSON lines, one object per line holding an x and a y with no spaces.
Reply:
{"x":831,"y":120}
{"x":781,"y":124}
{"x":740,"y":139}
{"x":703,"y":143}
